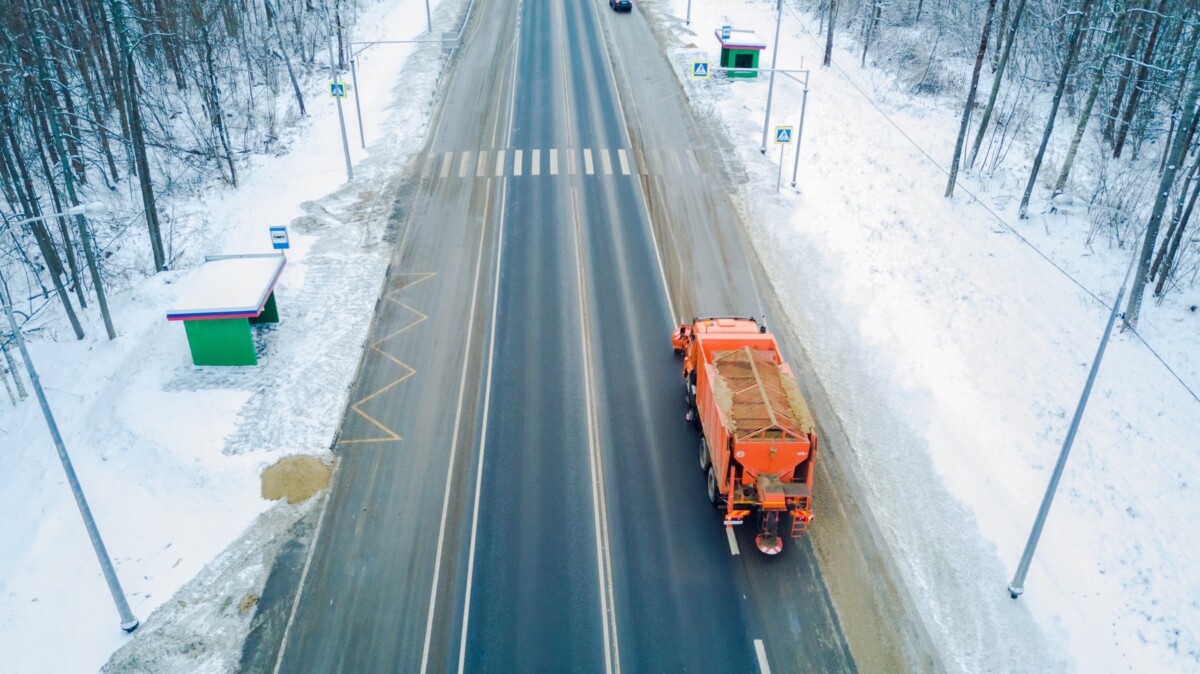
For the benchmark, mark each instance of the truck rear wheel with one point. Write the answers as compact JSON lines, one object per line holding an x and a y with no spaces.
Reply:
{"x":705,"y":461}
{"x":712,"y":486}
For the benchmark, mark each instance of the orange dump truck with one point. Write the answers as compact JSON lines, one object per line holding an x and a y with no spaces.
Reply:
{"x":757,"y":440}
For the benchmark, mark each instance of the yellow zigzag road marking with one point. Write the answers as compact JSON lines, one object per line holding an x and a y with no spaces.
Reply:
{"x":408,"y":371}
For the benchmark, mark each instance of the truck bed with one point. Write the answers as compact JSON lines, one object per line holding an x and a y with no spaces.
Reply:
{"x":757,"y":395}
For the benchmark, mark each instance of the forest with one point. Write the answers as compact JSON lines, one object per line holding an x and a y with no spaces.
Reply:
{"x":1110,"y":88}
{"x":142,"y":103}
{"x":135,"y":104}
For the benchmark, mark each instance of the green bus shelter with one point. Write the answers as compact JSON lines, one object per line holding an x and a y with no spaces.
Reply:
{"x":739,"y":49}
{"x":222,"y":299}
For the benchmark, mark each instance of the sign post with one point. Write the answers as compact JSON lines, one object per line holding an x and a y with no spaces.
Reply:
{"x":783,"y":136}
{"x":337,"y":90}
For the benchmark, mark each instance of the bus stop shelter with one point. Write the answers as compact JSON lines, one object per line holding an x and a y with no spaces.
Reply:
{"x":739,"y":49}
{"x":222,"y":299}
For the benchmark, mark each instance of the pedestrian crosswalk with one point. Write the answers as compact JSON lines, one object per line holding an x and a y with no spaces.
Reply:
{"x":557,"y":161}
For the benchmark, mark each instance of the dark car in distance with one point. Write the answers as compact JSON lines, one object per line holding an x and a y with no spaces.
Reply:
{"x":621,"y":5}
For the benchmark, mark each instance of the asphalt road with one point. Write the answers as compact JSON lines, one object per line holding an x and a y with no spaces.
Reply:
{"x":517,"y":489}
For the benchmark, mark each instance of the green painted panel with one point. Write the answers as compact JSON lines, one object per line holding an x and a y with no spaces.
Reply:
{"x":270,"y":313}
{"x":743,"y":58}
{"x":221,"y":341}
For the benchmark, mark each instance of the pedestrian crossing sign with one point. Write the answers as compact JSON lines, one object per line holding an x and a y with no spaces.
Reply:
{"x":783,"y":134}
{"x":337,"y":89}
{"x":699,"y":70}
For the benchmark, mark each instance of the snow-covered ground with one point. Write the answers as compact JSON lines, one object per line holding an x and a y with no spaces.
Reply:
{"x":956,"y":356}
{"x":168,"y":454}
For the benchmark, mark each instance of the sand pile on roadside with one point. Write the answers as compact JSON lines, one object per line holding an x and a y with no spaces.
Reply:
{"x":296,"y":478}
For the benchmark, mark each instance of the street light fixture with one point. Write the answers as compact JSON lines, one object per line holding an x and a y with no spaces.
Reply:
{"x":128,"y":622}
{"x":92,"y":210}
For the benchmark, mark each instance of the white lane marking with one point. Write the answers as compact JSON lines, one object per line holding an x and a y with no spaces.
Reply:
{"x":512,"y":106}
{"x":475,"y":289}
{"x":464,"y":164}
{"x":487,"y":399}
{"x":587,"y":162}
{"x":481,"y":165}
{"x":571,"y":168}
{"x":605,"y":162}
{"x":612,"y":655}
{"x":499,"y":163}
{"x":462,"y":389}
{"x":427,"y":170}
{"x":517,"y":156}
{"x":446,"y":161}
{"x":662,"y":272}
{"x":761,"y":652}
{"x":307,"y":564}
{"x":733,"y":546}
{"x":691,"y":154}
{"x":554,"y":162}
{"x":624,"y":162}
{"x":535,"y":167}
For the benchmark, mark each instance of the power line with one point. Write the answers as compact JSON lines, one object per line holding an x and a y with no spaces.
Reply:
{"x":1005,"y":224}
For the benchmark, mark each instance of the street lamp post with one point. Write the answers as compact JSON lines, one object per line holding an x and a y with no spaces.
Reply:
{"x":800,"y":131}
{"x":128,"y":622}
{"x":1017,"y":586}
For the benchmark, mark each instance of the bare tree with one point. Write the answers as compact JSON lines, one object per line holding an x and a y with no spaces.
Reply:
{"x":1140,"y":85}
{"x":1110,"y":43}
{"x":996,"y":80}
{"x":1166,"y":181}
{"x":1072,"y":52}
{"x":966,"y":116}
{"x":829,"y":35}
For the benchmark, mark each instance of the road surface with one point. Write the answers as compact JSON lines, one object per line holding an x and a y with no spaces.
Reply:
{"x":517,"y":489}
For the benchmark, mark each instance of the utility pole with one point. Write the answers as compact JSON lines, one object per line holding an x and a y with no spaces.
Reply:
{"x":688,"y":21}
{"x":800,"y":130}
{"x":1017,"y":586}
{"x":362,"y":139}
{"x":128,"y":622}
{"x":771,"y":85}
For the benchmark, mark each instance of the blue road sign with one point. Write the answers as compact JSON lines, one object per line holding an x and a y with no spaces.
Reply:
{"x":725,"y":32}
{"x":279,"y":238}
{"x":337,"y":89}
{"x":783,"y":134}
{"x":699,"y":69}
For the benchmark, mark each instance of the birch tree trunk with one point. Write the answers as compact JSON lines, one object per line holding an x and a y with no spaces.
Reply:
{"x":1178,"y":149}
{"x":829,"y":35}
{"x":996,"y":80}
{"x":1072,"y":52}
{"x":1140,"y":85}
{"x":273,"y":19}
{"x":12,"y":367}
{"x":966,"y":116}
{"x":1085,"y":115}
